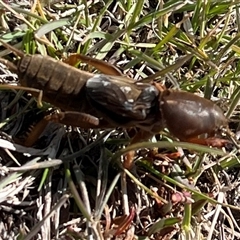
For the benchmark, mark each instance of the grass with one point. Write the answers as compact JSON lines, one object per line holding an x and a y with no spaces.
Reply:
{"x":70,"y":183}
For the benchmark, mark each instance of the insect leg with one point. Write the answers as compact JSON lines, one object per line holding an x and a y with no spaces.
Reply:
{"x":140,"y":136}
{"x":211,"y":141}
{"x":35,"y":133}
{"x":76,"y":119}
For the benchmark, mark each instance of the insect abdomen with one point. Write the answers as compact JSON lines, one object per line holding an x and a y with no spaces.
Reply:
{"x":57,"y":79}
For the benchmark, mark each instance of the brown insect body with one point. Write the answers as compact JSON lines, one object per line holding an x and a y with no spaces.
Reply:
{"x":118,"y":101}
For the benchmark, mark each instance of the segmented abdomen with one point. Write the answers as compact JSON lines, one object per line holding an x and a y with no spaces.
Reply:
{"x":63,"y":85}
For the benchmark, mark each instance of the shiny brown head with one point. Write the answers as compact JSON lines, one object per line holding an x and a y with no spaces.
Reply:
{"x":187,"y":115}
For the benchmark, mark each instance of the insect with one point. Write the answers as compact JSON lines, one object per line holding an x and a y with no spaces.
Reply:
{"x":104,"y":101}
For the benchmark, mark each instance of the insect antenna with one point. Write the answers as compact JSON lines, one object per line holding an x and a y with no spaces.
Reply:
{"x":16,"y":51}
{"x":9,"y":64}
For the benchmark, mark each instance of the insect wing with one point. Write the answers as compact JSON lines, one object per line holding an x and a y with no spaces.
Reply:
{"x":121,"y":96}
